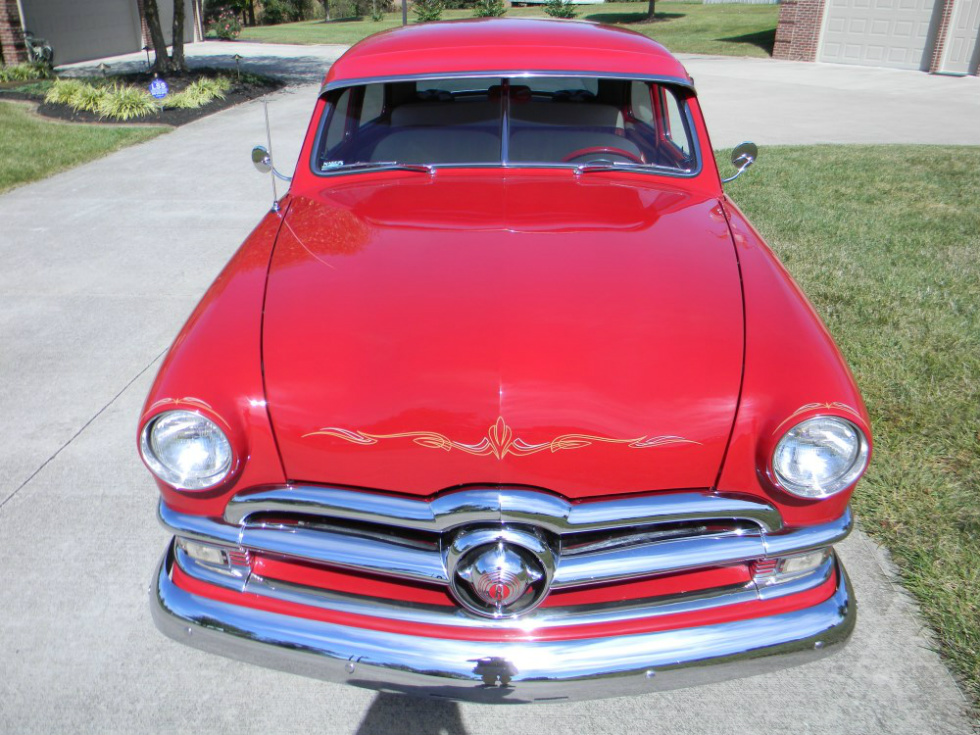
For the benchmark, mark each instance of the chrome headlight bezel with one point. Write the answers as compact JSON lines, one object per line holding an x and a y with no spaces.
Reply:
{"x":832,"y":485}
{"x":172,"y":476}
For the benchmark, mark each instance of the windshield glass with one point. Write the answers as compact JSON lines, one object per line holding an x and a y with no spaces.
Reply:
{"x":563,"y":121}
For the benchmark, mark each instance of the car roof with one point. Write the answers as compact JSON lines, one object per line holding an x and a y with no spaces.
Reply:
{"x":506,"y":47}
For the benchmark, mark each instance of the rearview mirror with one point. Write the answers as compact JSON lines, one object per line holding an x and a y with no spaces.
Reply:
{"x":743,"y":156}
{"x":261,"y":159}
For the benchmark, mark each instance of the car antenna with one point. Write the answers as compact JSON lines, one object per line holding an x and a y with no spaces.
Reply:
{"x":268,"y":140}
{"x":262,"y":158}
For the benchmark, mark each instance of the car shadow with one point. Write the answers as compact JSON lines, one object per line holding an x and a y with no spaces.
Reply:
{"x":766,"y":40}
{"x":631,"y":18}
{"x":390,"y":713}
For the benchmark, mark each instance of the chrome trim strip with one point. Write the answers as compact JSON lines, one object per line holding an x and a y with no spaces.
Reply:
{"x":385,"y":556}
{"x":540,"y":619}
{"x":521,"y":74}
{"x":500,"y":505}
{"x":349,"y":552}
{"x":811,"y":537}
{"x":656,"y":558}
{"x":511,"y":671}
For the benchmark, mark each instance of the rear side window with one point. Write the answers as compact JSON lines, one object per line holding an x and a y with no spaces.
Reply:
{"x":337,"y":127}
{"x":675,"y":125}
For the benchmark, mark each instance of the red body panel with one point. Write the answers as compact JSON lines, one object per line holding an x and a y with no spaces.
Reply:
{"x":577,"y":310}
{"x":215,"y":367}
{"x":793,"y":370}
{"x":532,"y":45}
{"x":602,"y":323}
{"x":728,"y":613}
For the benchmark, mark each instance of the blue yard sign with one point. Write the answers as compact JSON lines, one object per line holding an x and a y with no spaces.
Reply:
{"x":159,"y":88}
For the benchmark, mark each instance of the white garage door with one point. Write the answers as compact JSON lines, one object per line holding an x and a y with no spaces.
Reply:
{"x":891,"y":33}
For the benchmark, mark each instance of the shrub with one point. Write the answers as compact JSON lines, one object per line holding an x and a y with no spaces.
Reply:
{"x":123,"y":102}
{"x":88,"y":97}
{"x":63,"y":90}
{"x":427,"y":11}
{"x":25,"y":72}
{"x":226,"y":26}
{"x":275,"y":12}
{"x":198,"y":93}
{"x":560,"y":9}
{"x":489,"y":9}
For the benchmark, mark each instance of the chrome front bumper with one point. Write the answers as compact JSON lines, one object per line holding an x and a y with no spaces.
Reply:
{"x":506,"y":672}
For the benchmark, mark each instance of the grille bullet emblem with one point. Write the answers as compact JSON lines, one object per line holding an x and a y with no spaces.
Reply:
{"x":499,"y":573}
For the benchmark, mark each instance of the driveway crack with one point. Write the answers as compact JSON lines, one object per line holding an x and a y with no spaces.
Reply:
{"x":78,"y":433}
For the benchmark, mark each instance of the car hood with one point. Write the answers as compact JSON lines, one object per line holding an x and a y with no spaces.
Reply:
{"x":572,"y":333}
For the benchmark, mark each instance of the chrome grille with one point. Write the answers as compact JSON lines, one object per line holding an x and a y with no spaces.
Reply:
{"x":594,"y":542}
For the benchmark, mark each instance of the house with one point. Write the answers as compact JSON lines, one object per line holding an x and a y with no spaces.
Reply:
{"x":939,"y":36}
{"x":79,"y":31}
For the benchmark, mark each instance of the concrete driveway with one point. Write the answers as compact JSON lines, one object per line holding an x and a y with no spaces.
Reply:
{"x":99,"y":267}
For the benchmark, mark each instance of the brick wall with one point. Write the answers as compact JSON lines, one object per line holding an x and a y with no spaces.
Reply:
{"x":798,"y":32}
{"x":937,"y":50}
{"x":11,"y":33}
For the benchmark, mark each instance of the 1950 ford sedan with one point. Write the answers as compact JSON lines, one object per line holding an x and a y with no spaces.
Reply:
{"x":505,"y":400}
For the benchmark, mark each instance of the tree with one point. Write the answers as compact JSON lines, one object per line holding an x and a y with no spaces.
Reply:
{"x":650,"y":8}
{"x":163,"y":62}
{"x":326,"y":10}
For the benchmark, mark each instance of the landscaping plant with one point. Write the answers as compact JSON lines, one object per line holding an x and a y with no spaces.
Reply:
{"x":560,"y":9}
{"x":427,"y":11}
{"x":226,"y":26}
{"x":124,"y":102}
{"x":489,"y":9}
{"x":24,"y":72}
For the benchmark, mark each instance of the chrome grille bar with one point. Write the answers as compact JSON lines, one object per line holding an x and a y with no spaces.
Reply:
{"x":500,"y":505}
{"x":385,"y":554}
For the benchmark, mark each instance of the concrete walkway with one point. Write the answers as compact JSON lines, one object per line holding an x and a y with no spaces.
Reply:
{"x":99,"y":267}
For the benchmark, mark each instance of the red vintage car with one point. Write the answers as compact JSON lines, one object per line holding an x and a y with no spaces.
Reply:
{"x":505,"y":400}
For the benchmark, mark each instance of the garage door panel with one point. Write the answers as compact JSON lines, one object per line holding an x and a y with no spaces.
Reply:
{"x":893,"y":32}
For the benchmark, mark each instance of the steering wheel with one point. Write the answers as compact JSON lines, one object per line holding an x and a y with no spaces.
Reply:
{"x":602,"y":149}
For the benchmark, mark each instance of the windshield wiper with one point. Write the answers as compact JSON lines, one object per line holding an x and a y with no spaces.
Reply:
{"x":584,"y":168}
{"x":331,"y":166}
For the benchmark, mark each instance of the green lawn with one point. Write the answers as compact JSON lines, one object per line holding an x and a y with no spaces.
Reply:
{"x":32,"y":148}
{"x":886,"y":242}
{"x":732,"y":30}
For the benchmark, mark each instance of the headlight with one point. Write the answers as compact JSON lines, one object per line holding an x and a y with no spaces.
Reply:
{"x":186,"y":450}
{"x":820,"y":456}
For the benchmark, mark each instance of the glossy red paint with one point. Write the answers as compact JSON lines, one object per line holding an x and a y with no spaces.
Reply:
{"x":411,"y":333}
{"x":568,"y":306}
{"x":531,"y":45}
{"x":740,"y":611}
{"x":793,"y":370}
{"x":214,"y":367}
{"x":353,"y":583}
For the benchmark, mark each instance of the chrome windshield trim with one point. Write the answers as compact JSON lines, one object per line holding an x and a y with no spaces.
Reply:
{"x":519,"y":74}
{"x":500,"y":505}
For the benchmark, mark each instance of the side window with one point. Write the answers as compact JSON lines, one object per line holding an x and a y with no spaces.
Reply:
{"x":373,"y":103}
{"x":675,"y":127}
{"x":338,"y":121}
{"x":640,"y":102}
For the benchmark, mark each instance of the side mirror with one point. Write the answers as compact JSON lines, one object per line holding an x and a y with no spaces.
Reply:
{"x":743,"y":156}
{"x":261,"y":159}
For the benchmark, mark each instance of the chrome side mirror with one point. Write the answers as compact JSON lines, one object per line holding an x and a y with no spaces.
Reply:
{"x":262,"y":159}
{"x":743,"y":156}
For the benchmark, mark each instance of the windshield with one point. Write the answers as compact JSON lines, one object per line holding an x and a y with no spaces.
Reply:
{"x":588,"y":123}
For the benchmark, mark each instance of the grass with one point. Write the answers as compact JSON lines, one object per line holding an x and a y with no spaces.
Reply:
{"x":885,"y":240}
{"x":32,"y":148}
{"x":730,"y":30}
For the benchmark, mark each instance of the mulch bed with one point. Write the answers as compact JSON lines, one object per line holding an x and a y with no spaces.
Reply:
{"x":250,"y":87}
